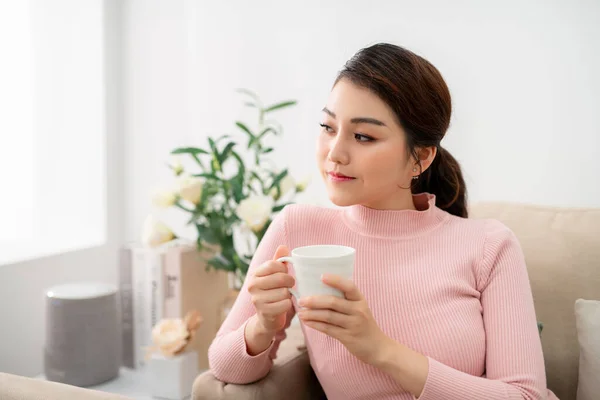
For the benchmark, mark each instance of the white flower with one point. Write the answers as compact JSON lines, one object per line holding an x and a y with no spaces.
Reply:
{"x":176,"y":165}
{"x":301,"y":186}
{"x":190,"y":188}
{"x":155,"y":233}
{"x":255,"y":211}
{"x":170,"y":335}
{"x":164,"y":198}
{"x":285,"y":185}
{"x":288,"y":183}
{"x":244,"y":241}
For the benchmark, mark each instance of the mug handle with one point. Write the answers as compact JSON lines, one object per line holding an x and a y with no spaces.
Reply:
{"x":291,"y":261}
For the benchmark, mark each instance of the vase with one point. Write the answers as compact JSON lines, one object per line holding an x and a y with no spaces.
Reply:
{"x":172,"y":377}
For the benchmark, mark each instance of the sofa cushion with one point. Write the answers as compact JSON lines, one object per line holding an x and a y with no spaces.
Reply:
{"x":587,"y":315}
{"x":562,"y":252}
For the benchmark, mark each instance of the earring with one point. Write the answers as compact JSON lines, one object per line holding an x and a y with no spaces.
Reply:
{"x":416,"y":177}
{"x":415,"y":169}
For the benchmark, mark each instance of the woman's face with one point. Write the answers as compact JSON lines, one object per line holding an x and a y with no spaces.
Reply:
{"x":362,"y":152}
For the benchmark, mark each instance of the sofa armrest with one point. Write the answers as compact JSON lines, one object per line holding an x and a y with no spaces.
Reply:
{"x":14,"y":387}
{"x":290,"y":379}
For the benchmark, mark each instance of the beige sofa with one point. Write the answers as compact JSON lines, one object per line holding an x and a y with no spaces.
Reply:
{"x":562,"y":249}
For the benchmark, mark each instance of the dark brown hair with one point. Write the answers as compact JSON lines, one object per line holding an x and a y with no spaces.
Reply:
{"x":416,"y":92}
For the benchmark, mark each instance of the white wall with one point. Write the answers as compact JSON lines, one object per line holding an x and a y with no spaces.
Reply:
{"x":155,"y":98}
{"x":22,"y":285}
{"x":523,"y":75}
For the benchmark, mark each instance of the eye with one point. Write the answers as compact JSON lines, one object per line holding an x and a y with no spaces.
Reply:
{"x":326,"y":127}
{"x":363,"y":138}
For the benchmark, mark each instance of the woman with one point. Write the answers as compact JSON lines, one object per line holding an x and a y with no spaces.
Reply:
{"x":440,"y":306}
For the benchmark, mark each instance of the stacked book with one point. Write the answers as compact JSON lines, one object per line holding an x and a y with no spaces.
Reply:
{"x":167,"y":282}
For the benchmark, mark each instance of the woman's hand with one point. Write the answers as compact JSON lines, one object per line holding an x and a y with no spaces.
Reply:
{"x":348,"y":320}
{"x":269,"y":291}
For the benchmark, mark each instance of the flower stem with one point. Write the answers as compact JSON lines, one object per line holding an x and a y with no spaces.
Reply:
{"x":177,"y":204}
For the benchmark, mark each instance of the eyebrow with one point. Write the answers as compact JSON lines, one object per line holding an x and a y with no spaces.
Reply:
{"x":357,"y":120}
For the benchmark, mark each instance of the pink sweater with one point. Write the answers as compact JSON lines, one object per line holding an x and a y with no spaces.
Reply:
{"x":456,"y":290}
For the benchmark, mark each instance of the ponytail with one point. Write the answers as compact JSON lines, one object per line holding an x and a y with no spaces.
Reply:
{"x":444,"y":179}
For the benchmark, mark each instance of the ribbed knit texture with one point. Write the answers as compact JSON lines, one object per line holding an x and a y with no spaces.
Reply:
{"x":456,"y":290}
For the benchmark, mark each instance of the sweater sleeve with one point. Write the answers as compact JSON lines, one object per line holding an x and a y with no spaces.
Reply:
{"x":228,"y":355}
{"x":514,"y":359}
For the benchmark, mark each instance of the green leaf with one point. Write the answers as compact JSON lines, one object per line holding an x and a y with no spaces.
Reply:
{"x":237,"y":187}
{"x":242,"y":167}
{"x":276,"y":126}
{"x":226,"y":151}
{"x":252,"y":137}
{"x":281,"y":105}
{"x":243,"y":127}
{"x":207,"y":175}
{"x":237,"y":182}
{"x":259,"y":179}
{"x":278,"y":179}
{"x":206,"y":234}
{"x":267,"y":150}
{"x":221,"y":138}
{"x":251,"y":94}
{"x":215,"y":163}
{"x":213,"y":146}
{"x":189,"y":150}
{"x":265,"y":131}
{"x":200,"y":163}
{"x":280,"y":207}
{"x":220,"y":263}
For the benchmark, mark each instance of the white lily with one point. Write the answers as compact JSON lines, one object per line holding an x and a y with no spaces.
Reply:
{"x":155,"y":233}
{"x":303,"y":184}
{"x":190,"y":188}
{"x":255,"y":211}
{"x":176,"y":165}
{"x":164,"y":198}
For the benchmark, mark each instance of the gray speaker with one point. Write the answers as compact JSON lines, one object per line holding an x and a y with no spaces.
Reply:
{"x":83,"y":337}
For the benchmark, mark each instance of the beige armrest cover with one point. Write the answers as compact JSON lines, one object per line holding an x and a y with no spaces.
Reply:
{"x":13,"y":387}
{"x":290,"y":379}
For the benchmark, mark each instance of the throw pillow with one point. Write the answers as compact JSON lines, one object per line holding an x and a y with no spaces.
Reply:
{"x":587,"y":319}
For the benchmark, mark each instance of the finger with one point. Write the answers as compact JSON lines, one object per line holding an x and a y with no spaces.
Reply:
{"x":273,"y":281}
{"x":326,"y":316}
{"x":269,"y":268}
{"x":327,"y":302}
{"x":274,"y":295}
{"x":281,"y":251}
{"x":330,"y":330}
{"x":348,"y":287}
{"x":280,"y":307}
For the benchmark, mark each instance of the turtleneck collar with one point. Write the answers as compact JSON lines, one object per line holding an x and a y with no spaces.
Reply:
{"x":396,"y":223}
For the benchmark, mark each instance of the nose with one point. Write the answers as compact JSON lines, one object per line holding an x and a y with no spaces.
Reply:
{"x":338,"y":152}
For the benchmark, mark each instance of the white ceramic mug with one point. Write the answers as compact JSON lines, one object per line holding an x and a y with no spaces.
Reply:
{"x":310,"y":262}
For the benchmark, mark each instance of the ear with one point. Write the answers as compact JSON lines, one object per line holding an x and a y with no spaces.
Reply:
{"x":426,"y":157}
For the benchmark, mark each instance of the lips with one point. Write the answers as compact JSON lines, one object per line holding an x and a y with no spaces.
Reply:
{"x":339,"y":177}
